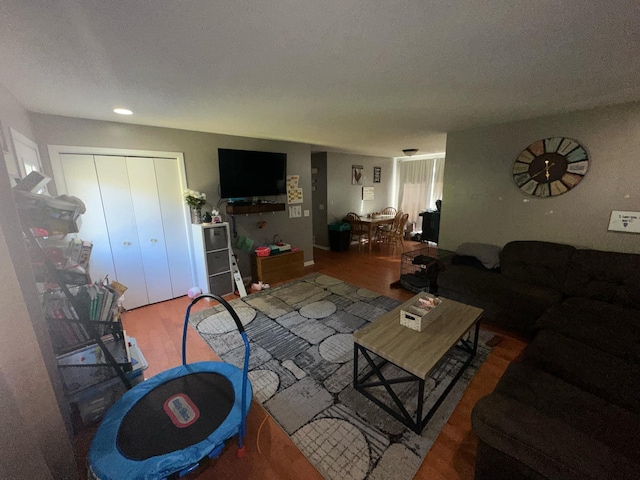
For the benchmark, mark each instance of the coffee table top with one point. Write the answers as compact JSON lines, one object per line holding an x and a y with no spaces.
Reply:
{"x":418,"y":352}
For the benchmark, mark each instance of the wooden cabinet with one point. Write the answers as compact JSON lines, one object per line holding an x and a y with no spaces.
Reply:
{"x":277,"y":268}
{"x":212,"y":252}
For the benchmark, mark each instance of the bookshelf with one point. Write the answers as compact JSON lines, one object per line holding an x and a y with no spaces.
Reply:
{"x":85,"y":328}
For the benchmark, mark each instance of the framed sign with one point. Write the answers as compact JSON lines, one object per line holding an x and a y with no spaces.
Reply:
{"x":376,"y":174}
{"x":624,"y":222}
{"x":356,"y":174}
{"x":367,"y":193}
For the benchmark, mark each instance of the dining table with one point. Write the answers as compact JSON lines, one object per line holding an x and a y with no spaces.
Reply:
{"x":371,"y":223}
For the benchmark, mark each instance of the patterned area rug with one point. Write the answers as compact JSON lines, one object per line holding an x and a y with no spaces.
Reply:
{"x":301,"y":369}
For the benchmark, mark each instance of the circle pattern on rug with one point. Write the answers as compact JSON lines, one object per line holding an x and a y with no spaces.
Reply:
{"x":265,"y":384}
{"x":222,"y":322}
{"x":320,"y":309}
{"x":337,"y":348}
{"x":364,"y":293}
{"x":327,"y":439}
{"x":325,"y":280}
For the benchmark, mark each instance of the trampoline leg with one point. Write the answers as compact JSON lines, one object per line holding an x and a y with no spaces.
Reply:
{"x":241,"y":452}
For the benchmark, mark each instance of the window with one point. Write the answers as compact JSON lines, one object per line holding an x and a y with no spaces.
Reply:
{"x":419,"y":184}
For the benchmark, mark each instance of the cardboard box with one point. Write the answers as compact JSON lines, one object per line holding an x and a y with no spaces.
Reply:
{"x":416,"y":316}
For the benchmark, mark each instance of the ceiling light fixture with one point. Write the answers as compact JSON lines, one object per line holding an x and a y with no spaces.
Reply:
{"x":410,"y":151}
{"x":122,"y":111}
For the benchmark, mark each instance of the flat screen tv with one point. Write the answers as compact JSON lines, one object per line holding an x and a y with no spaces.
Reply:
{"x":245,"y":173}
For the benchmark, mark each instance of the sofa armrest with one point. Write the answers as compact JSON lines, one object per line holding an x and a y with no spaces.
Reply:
{"x":544,"y":444}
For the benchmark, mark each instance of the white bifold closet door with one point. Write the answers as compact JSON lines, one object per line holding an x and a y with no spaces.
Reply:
{"x":135,"y":219}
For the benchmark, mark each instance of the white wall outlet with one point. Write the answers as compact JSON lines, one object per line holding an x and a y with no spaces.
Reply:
{"x":306,"y":213}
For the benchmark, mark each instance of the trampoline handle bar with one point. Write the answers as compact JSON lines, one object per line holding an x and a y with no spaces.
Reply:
{"x":236,"y":319}
{"x":223,"y":302}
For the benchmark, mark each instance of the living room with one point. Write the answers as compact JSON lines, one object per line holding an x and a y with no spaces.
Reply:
{"x":482,"y":203}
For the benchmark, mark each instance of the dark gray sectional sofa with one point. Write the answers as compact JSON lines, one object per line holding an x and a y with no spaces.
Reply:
{"x":569,"y":408}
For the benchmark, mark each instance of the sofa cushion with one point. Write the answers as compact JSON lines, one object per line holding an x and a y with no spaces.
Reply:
{"x":488,"y":255}
{"x":507,"y":303}
{"x":608,"y":276}
{"x":586,"y":367}
{"x":538,"y":263}
{"x":602,"y":325}
{"x":546,"y":444}
{"x":604,"y":422}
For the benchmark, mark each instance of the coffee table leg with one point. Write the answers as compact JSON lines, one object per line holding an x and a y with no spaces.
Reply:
{"x":418,"y":425}
{"x":355,"y":366}
{"x":404,"y":417}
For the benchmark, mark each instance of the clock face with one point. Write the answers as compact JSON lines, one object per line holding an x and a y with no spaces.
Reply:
{"x":550,"y":167}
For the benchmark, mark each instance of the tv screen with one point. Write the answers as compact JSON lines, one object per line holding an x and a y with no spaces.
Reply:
{"x":245,"y":173}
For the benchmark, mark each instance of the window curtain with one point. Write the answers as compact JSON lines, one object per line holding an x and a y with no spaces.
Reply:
{"x":419,"y":185}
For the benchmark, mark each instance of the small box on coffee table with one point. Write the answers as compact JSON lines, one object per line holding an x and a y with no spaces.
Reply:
{"x":416,"y":316}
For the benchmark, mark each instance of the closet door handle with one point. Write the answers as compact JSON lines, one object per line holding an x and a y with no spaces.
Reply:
{"x":154,"y":240}
{"x":126,"y":244}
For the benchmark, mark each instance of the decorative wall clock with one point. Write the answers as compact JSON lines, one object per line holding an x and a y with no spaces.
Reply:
{"x":550,"y":167}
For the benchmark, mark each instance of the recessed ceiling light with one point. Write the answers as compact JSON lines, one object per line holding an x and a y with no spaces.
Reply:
{"x":123,"y":111}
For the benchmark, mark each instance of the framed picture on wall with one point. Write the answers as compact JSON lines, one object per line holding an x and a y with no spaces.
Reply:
{"x":376,"y":174}
{"x":356,"y":174}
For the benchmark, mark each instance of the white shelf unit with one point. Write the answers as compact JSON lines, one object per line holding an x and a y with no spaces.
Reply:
{"x":213,"y":258}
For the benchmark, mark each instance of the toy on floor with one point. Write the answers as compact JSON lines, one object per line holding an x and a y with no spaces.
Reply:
{"x":169,"y":425}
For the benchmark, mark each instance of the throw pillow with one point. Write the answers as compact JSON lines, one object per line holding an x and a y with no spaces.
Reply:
{"x":489,"y":255}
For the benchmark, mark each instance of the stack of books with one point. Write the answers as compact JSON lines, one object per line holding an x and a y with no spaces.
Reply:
{"x":96,"y":302}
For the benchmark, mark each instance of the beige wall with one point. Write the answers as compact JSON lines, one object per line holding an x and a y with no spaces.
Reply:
{"x":201,"y":163}
{"x":34,"y":441}
{"x":482,"y":203}
{"x":343,"y":197}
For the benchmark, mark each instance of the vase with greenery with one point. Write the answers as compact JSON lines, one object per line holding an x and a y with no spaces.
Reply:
{"x":196,"y":201}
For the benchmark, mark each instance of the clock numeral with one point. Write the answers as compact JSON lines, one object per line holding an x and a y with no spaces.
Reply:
{"x":519,"y":167}
{"x":522,"y":178}
{"x":566,"y":146}
{"x":529,"y":187}
{"x":552,"y":144}
{"x":558,"y":188}
{"x":526,"y":157}
{"x":537,"y":148}
{"x":579,"y":168}
{"x":577,"y":155}
{"x":543,"y":190}
{"x":571,"y":180}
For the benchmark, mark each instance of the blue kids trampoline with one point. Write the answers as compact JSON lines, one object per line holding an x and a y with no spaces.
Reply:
{"x":172,"y":423}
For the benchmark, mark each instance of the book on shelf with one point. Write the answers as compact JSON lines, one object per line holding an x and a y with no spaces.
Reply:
{"x":96,"y":302}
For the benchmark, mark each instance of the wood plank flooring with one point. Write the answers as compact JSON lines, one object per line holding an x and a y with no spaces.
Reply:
{"x":269,"y":452}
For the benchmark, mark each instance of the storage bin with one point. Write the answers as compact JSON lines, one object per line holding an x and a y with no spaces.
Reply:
{"x":339,"y":236}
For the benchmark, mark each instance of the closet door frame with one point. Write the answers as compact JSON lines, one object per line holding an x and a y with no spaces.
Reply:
{"x":58,"y":177}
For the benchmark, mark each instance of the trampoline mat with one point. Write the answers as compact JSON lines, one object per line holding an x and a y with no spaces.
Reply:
{"x":175,"y":415}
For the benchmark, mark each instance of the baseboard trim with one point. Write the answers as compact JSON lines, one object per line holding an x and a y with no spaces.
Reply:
{"x":321,"y":247}
{"x":309,"y":263}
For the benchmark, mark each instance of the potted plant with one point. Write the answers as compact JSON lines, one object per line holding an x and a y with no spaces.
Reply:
{"x":196,"y":201}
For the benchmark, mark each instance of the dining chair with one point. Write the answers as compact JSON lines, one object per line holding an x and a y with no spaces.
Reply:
{"x":395,"y":236}
{"x":357,"y":229}
{"x":389,"y":227}
{"x":389,"y":211}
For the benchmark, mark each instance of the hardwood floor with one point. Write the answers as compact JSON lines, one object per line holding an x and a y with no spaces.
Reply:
{"x":269,"y":452}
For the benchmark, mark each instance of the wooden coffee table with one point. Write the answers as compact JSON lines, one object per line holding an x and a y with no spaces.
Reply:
{"x":417,"y":353}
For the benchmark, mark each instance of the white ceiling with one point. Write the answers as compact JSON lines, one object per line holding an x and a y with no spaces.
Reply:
{"x":370,"y":77}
